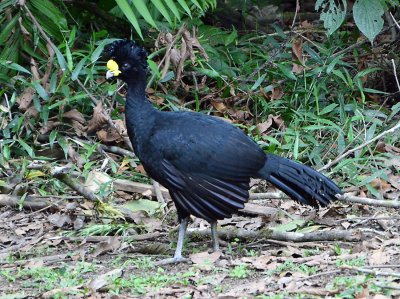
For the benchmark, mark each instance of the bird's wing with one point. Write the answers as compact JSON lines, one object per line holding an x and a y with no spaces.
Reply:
{"x":209,"y":146}
{"x":202,"y":195}
{"x":206,"y":165}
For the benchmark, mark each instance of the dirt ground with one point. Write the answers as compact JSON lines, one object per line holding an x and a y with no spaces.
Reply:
{"x":43,"y":257}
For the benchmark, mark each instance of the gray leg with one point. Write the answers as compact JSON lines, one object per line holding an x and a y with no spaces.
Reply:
{"x":179,"y":246}
{"x":181,"y":238}
{"x":214,"y":236}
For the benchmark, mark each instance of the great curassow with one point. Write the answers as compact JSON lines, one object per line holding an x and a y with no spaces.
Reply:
{"x":204,"y":162}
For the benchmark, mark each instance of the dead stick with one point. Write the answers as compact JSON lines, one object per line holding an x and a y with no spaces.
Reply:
{"x":230,"y":233}
{"x":369,"y":201}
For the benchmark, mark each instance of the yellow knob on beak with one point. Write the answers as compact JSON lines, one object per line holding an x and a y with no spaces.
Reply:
{"x":113,"y":70}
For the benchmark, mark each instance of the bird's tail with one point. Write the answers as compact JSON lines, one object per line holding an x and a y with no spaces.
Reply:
{"x":300,"y":182}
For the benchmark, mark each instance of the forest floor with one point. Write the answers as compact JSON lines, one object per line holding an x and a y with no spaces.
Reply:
{"x":40,"y":257}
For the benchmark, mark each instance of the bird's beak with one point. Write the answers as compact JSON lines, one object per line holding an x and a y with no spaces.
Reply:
{"x":109,"y":75}
{"x":113,"y":69}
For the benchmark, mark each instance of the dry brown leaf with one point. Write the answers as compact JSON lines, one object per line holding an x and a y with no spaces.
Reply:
{"x":380,"y":185}
{"x":219,"y":105}
{"x":25,"y":99}
{"x":277,"y":93}
{"x":204,"y":259}
{"x":379,"y":257}
{"x":111,"y":244}
{"x":297,"y":56}
{"x":74,"y":115}
{"x":102,"y":280}
{"x":99,"y":118}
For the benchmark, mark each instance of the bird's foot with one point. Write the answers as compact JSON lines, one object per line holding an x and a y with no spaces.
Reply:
{"x":172,"y":260}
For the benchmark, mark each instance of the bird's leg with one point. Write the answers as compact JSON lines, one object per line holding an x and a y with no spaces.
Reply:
{"x":179,"y":246}
{"x":214,"y":236}
{"x":181,"y":238}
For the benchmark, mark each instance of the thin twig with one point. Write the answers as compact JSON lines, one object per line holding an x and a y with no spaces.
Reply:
{"x":395,"y":21}
{"x":369,"y":201}
{"x":384,"y":133}
{"x":395,"y":74}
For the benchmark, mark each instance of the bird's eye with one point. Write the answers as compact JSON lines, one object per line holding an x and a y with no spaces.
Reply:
{"x":125,"y":65}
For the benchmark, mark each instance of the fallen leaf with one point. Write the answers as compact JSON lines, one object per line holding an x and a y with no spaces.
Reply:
{"x":111,"y":244}
{"x":297,"y":56}
{"x":25,"y":99}
{"x":204,"y":259}
{"x":379,"y":257}
{"x":102,"y":280}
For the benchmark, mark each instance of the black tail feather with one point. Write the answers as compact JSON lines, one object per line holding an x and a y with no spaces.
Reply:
{"x":302,"y":183}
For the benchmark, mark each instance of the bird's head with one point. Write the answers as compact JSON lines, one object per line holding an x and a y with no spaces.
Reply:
{"x":127,"y":61}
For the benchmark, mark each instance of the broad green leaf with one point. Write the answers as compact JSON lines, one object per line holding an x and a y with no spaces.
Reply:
{"x":27,"y":148}
{"x":286,"y":71}
{"x":8,"y":28}
{"x":171,"y":5}
{"x":130,"y":15}
{"x":258,"y":82}
{"x":14,"y":66}
{"x":34,"y":174}
{"x":97,"y":52}
{"x":52,"y":138}
{"x":162,"y":9}
{"x":368,"y":15}
{"x":148,"y":206}
{"x":290,"y":226}
{"x":333,"y":64}
{"x":141,"y":8}
{"x":69,"y":57}
{"x":231,"y":37}
{"x":333,"y":13}
{"x":40,"y":90}
{"x":328,"y":109}
{"x":78,"y":69}
{"x":185,"y":7}
{"x":60,"y":59}
{"x":168,"y":76}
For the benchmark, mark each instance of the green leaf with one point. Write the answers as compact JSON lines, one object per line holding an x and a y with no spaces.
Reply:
{"x":332,"y":14}
{"x":168,"y":76}
{"x":40,"y":90}
{"x":368,"y":15}
{"x":171,"y":5}
{"x":141,"y":8}
{"x":231,"y":37}
{"x":130,"y":15}
{"x":161,"y":8}
{"x":296,"y":146}
{"x":286,"y":71}
{"x":97,"y":52}
{"x":27,"y":148}
{"x":14,"y":66}
{"x":60,"y":59}
{"x":78,"y":69}
{"x":185,"y":7}
{"x":328,"y":108}
{"x":148,"y":206}
{"x":258,"y":82}
{"x":333,"y":64}
{"x":69,"y":57}
{"x":52,"y":138}
{"x":290,"y":226}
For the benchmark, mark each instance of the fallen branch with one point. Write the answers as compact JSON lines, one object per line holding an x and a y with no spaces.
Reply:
{"x":232,"y":233}
{"x":29,"y":202}
{"x":370,"y":271}
{"x":369,"y":201}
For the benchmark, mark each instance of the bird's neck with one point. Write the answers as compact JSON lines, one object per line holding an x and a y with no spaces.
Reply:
{"x":139,"y":113}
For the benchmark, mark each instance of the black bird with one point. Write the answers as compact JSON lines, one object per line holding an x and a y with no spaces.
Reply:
{"x":204,"y":162}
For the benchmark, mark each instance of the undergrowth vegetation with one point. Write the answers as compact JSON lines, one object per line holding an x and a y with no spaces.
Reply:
{"x":297,"y":93}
